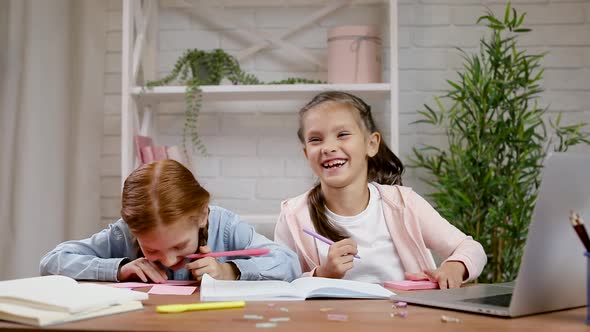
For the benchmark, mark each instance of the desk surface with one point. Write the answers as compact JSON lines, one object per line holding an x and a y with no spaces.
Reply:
{"x":307,"y":316}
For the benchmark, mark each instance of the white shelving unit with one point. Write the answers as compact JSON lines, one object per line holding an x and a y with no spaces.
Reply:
{"x":261,"y":92}
{"x":139,"y":63}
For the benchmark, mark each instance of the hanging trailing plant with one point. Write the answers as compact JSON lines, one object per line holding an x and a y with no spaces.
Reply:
{"x":196,"y":68}
{"x":487,"y":181}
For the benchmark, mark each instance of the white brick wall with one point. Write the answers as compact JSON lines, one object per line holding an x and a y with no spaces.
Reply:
{"x":252,"y":167}
{"x":560,"y":27}
{"x":255,"y":159}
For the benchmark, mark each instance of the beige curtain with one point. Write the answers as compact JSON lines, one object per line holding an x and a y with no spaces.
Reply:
{"x":51,"y":90}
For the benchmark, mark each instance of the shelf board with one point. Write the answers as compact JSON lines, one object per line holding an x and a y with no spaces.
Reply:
{"x":261,"y":92}
{"x":263,"y":3}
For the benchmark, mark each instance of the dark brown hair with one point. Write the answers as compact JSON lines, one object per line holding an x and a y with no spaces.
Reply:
{"x":384,"y":168}
{"x":161,"y":193}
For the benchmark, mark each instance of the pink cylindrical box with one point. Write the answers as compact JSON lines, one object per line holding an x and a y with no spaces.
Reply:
{"x":354,"y":54}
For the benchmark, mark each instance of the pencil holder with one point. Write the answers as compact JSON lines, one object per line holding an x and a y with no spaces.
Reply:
{"x":587,"y":254}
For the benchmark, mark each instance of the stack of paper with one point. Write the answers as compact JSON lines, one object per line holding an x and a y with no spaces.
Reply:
{"x":57,"y":299}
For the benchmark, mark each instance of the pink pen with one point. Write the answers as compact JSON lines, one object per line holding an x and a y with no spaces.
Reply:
{"x":245,"y":252}
{"x":322,"y":238}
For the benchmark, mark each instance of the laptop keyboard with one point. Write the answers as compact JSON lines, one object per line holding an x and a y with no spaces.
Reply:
{"x":502,"y":300}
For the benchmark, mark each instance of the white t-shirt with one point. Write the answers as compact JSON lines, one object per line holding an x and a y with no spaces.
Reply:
{"x":379,"y":260}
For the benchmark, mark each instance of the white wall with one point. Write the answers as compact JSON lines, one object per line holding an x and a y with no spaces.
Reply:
{"x":255,"y":158}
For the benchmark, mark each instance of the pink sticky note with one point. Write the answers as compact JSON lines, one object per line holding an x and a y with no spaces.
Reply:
{"x":411,"y":284}
{"x":130,"y":285}
{"x":180,"y":282}
{"x":146,"y":284}
{"x":172,"y":290}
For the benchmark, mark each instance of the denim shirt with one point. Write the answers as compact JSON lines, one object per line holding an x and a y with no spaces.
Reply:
{"x":99,"y":257}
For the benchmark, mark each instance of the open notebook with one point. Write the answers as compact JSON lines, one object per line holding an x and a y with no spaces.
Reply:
{"x":298,"y":290}
{"x":57,"y":299}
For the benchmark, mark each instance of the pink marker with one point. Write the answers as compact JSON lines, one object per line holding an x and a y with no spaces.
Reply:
{"x":322,"y":238}
{"x":246,"y":252}
{"x":411,"y":284}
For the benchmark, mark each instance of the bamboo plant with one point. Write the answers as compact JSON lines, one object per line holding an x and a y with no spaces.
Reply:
{"x":487,"y":181}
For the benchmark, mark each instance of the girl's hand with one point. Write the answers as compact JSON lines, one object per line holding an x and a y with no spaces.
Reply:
{"x":143,"y":269}
{"x":448,"y":275}
{"x":211,"y":266}
{"x":340,"y":259}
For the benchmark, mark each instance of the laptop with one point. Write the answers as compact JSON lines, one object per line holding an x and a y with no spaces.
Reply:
{"x":552,"y":273}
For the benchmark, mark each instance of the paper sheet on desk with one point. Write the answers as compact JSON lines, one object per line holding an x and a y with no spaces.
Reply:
{"x":171,"y":287}
{"x":172,"y":290}
{"x":144,"y":284}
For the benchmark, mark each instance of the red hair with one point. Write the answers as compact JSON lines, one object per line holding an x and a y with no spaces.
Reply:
{"x":161,"y":193}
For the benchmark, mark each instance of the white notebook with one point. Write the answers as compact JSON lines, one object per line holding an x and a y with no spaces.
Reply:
{"x":48,"y":300}
{"x":297,"y":290}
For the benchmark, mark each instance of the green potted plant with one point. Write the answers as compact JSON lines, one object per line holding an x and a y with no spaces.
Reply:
{"x":487,"y":181}
{"x":198,"y":67}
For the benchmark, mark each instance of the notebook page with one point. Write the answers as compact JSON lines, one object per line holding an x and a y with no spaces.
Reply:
{"x":230,"y":290}
{"x":327,"y":287}
{"x":36,"y":283}
{"x":63,"y":294}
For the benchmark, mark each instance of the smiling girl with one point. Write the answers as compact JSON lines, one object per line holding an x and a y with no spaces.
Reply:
{"x":360,"y":204}
{"x":165,"y":217}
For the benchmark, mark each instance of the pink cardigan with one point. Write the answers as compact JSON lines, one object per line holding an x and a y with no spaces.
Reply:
{"x":413,"y":224}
